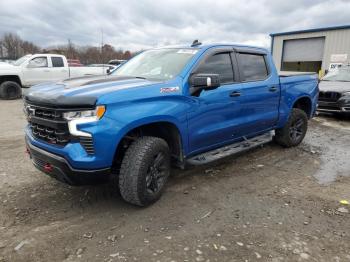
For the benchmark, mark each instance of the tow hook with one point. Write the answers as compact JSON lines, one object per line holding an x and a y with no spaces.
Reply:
{"x":48,"y":167}
{"x":27,"y":151}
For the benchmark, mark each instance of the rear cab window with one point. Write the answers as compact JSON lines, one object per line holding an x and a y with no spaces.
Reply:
{"x":57,"y":61}
{"x":253,"y":67}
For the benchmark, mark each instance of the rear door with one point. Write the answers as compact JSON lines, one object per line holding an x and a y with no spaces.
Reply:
{"x":260,"y":93}
{"x":212,"y":119}
{"x":58,"y":71}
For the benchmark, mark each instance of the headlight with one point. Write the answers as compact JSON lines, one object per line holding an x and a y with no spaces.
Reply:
{"x":97,"y":114}
{"x":82,"y":117}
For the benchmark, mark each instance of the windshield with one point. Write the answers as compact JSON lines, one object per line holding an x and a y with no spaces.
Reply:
{"x":19,"y":61}
{"x":341,"y":74}
{"x":157,"y":64}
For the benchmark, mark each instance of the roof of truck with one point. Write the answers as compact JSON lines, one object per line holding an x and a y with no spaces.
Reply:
{"x":207,"y":46}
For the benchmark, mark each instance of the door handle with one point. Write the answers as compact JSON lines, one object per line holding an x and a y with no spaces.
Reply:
{"x":273,"y":89}
{"x":235,"y":93}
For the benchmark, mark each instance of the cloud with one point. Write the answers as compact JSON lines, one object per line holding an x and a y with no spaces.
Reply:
{"x":137,"y":24}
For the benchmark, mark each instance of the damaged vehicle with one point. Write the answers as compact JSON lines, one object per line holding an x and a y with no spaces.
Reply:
{"x":334,"y":94}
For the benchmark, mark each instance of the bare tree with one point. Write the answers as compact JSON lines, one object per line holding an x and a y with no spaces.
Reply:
{"x":11,"y":44}
{"x":1,"y":49}
{"x":13,"y":47}
{"x":29,"y":48}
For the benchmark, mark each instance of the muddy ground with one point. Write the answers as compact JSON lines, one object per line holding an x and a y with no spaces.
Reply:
{"x":270,"y":204}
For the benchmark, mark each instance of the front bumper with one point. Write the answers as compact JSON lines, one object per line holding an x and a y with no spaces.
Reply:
{"x":59,"y":168}
{"x":340,"y":106}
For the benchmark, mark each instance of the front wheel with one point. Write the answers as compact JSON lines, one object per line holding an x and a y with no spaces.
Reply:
{"x":10,"y":90}
{"x":144,"y":171}
{"x":294,"y":130}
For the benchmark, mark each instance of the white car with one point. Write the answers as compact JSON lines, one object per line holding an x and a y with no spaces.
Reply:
{"x":30,"y":70}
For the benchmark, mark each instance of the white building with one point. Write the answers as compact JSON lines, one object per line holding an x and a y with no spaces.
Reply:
{"x":311,"y":50}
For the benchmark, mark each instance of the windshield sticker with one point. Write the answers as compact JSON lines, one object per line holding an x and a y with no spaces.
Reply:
{"x":187,"y":51}
{"x":169,"y":89}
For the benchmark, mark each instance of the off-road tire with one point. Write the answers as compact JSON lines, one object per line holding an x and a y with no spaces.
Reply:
{"x":137,"y":164}
{"x":284,"y":136}
{"x":10,"y":90}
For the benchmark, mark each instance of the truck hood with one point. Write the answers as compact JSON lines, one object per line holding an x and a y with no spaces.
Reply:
{"x":83,"y":91}
{"x":335,"y":86}
{"x":6,"y":68}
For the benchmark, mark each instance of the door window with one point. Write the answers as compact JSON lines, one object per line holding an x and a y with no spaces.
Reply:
{"x":218,"y":64}
{"x":38,"y":62}
{"x":57,"y":62}
{"x":253,"y":67}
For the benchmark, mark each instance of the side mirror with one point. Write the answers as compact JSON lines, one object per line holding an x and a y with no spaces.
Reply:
{"x":199,"y":82}
{"x":108,"y":71}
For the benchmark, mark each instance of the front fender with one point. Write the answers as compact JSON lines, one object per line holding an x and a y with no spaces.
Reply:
{"x":172,"y":109}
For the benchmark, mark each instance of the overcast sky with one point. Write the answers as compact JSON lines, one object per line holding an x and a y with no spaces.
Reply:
{"x":139,"y":24}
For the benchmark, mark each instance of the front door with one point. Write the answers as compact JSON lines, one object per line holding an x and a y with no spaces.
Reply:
{"x":211,"y":121}
{"x":37,"y":71}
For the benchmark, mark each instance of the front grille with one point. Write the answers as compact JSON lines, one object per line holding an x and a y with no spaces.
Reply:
{"x":48,"y":113}
{"x":50,"y":135}
{"x":329,"y":96}
{"x":48,"y":124}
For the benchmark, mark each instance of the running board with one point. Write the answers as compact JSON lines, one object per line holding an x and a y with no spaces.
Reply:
{"x":235,"y":148}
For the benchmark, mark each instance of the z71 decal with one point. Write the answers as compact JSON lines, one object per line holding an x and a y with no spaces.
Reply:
{"x":169,"y":89}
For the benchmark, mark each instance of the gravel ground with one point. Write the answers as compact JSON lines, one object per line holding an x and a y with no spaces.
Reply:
{"x":270,"y":204}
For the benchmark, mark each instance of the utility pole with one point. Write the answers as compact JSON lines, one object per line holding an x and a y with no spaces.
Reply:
{"x":102,"y":60}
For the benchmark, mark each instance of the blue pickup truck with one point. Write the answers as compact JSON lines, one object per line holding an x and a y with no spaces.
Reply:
{"x":166,"y":106}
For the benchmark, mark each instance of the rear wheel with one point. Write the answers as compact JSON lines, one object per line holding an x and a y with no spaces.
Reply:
{"x":144,"y":171}
{"x":10,"y":90}
{"x":295,"y":129}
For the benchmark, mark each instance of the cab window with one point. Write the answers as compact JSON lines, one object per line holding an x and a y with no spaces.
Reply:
{"x":218,"y":64}
{"x":253,"y":67}
{"x":38,"y":62}
{"x":57,"y":62}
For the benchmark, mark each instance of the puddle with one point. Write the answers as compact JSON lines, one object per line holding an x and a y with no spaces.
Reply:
{"x":335,"y":163}
{"x":333,"y":139}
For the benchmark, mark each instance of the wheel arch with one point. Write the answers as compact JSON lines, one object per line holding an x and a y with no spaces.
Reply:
{"x":304,"y":103}
{"x":14,"y":78}
{"x":162,"y":128}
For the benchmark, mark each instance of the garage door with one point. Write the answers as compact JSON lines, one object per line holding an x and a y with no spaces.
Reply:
{"x":308,"y":49}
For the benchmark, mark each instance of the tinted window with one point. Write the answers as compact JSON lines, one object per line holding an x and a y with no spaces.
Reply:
{"x":57,"y":61}
{"x":253,"y":67}
{"x":38,"y":62}
{"x":218,"y":64}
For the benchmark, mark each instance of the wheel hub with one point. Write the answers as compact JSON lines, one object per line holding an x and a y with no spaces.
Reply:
{"x":296,"y":130}
{"x":155,"y":174}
